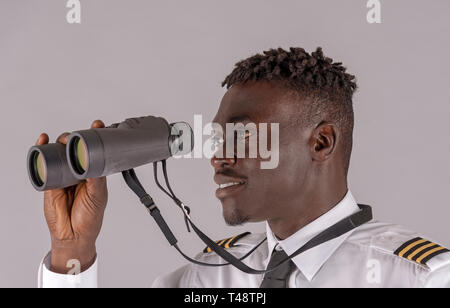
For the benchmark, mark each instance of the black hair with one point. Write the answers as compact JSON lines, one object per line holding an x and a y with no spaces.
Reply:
{"x":325,"y":83}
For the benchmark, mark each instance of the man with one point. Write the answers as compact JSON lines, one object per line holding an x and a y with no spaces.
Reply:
{"x":310,"y":96}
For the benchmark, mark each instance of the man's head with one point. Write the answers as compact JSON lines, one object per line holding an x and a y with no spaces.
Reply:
{"x":311,"y":99}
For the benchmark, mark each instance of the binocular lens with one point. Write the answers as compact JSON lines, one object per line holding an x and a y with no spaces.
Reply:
{"x":81,"y":155}
{"x":48,"y":169}
{"x":39,"y":169}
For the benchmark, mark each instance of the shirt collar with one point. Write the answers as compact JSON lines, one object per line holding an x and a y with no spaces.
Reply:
{"x":310,"y":261}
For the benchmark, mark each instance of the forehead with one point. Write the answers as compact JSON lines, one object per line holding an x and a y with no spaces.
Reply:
{"x":258,"y":102}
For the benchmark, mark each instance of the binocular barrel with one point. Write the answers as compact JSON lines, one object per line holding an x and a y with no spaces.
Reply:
{"x":101,"y":152}
{"x":48,"y":167}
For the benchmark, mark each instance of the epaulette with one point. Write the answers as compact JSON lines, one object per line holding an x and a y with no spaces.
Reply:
{"x":228,"y":242}
{"x":419,"y":250}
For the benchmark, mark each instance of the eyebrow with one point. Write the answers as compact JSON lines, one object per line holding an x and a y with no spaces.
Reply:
{"x":241,"y":118}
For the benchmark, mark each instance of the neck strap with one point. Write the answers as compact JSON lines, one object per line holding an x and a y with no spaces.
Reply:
{"x":363,"y":216}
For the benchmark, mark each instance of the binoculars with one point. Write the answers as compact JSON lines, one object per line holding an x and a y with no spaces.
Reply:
{"x":101,"y":152}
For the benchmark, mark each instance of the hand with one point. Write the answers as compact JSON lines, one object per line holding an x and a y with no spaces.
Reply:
{"x":74,"y":217}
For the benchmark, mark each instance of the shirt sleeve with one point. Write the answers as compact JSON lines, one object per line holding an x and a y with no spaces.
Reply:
{"x":176,"y":279}
{"x":49,"y":279}
{"x":439,"y":278}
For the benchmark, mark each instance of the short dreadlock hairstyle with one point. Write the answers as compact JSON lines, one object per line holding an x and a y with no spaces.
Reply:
{"x":316,"y":78}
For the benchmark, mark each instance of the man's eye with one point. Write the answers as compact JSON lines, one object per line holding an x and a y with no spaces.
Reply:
{"x":242,"y":134}
{"x":217,"y":140}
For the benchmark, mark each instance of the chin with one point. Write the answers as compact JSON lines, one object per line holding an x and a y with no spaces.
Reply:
{"x":233,"y":216}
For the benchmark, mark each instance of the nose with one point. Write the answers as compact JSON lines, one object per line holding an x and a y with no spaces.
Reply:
{"x":218,"y":162}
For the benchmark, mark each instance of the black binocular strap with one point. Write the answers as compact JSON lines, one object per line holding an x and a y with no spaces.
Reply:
{"x":335,"y":231}
{"x":134,"y":184}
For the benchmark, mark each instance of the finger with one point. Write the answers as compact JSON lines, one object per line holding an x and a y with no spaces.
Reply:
{"x":98,"y":124}
{"x":63,"y":138}
{"x":57,"y":206}
{"x":97,"y":190}
{"x":96,"y":183}
{"x":43,"y":139}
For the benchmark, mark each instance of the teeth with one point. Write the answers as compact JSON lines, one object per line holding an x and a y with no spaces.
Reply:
{"x":229,"y":184}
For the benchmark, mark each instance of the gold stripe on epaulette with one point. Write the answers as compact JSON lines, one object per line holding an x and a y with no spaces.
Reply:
{"x":419,"y":250}
{"x":228,"y":242}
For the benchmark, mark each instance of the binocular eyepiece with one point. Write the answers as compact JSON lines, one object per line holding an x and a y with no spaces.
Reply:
{"x":101,"y":152}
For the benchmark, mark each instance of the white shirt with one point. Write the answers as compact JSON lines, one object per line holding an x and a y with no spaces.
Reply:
{"x":363,"y":257}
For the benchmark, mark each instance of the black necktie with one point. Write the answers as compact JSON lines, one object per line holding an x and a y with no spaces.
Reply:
{"x":278,"y":278}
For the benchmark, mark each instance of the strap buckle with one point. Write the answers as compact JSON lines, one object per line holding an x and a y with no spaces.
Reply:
{"x":148,"y":201}
{"x":186,"y":210}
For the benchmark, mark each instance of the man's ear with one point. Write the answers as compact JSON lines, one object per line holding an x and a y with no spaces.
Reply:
{"x":323,"y":141}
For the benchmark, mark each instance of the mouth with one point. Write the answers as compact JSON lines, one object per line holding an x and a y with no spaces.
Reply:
{"x":228,"y":186}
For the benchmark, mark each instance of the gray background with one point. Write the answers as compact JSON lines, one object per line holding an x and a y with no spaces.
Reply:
{"x":140,"y":57}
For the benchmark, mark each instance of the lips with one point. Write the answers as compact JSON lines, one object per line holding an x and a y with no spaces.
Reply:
{"x":228,"y":186}
{"x":222,"y":186}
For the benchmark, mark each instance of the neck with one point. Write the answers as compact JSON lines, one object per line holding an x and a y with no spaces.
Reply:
{"x":307,"y":209}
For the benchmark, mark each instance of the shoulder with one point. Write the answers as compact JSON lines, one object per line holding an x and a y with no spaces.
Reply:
{"x":194,"y":275}
{"x":401,"y":245}
{"x":236,"y":243}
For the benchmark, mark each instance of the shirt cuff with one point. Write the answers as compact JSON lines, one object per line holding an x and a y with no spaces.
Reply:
{"x":49,"y":279}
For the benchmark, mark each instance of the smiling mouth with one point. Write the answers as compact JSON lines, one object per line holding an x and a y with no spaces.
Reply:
{"x":229,"y":189}
{"x":221,"y":186}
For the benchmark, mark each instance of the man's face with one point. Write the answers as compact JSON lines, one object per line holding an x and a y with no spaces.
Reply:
{"x":264,"y":194}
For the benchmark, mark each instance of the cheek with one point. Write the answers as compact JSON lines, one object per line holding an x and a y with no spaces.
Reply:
{"x":272,"y":185}
{"x":294,"y":162}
